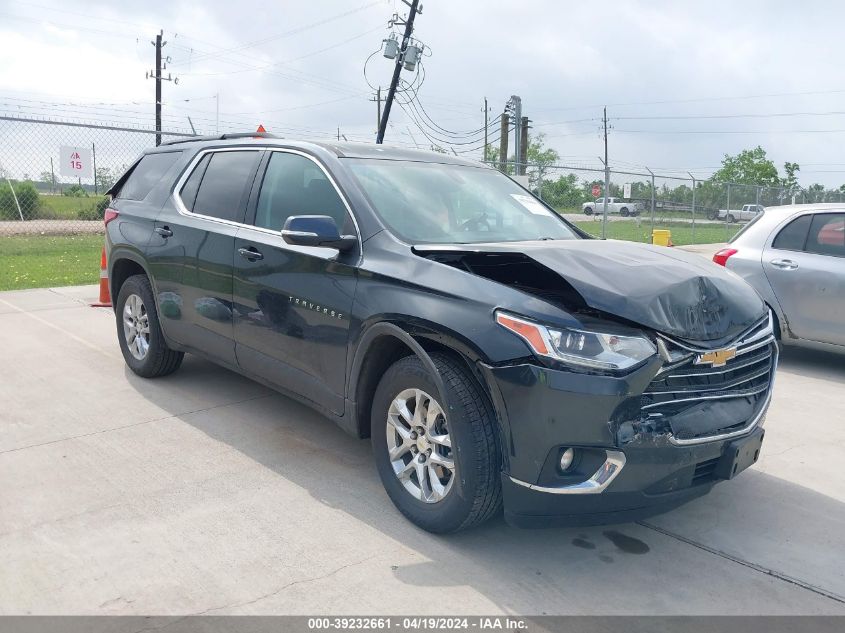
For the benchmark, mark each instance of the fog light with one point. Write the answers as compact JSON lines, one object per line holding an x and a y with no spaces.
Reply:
{"x":567,"y":458}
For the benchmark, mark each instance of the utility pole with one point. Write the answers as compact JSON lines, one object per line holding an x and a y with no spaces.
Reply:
{"x":159,"y":44}
{"x":523,"y":148}
{"x":503,"y":143}
{"x":485,"y":129}
{"x":606,"y":179}
{"x":693,"y":206}
{"x":377,"y":99}
{"x":652,"y":197}
{"x":515,"y":107}
{"x":397,"y":69}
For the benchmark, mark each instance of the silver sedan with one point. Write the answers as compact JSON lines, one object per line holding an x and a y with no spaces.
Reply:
{"x":794,"y":256}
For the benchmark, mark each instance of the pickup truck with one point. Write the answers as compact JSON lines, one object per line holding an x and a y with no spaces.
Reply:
{"x":748,"y":212}
{"x":614,"y":205}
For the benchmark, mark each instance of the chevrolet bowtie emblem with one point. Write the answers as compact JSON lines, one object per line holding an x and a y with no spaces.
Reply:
{"x":716,"y":358}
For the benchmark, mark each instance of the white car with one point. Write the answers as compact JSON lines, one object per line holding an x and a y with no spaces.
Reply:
{"x":794,"y":256}
{"x":746,"y":213}
{"x":614,"y":205}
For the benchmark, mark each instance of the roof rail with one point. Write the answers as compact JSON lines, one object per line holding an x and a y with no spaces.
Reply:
{"x":221,"y":137}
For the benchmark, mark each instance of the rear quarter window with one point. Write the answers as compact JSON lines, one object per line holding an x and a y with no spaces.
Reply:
{"x":146,"y":174}
{"x":793,"y":235}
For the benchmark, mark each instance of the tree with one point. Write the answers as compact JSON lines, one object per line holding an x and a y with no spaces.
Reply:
{"x":540,"y":158}
{"x":749,"y":167}
{"x":566,"y":193}
{"x":790,"y":181}
{"x":815,"y":193}
{"x":105,"y":179}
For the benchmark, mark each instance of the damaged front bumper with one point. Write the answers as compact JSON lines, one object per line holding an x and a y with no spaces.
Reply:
{"x":641,"y":451}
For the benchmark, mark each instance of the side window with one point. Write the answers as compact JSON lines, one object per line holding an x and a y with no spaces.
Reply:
{"x":146,"y":175}
{"x":189,"y":190}
{"x":827,"y":235}
{"x":793,"y":235}
{"x":295,"y":185}
{"x":226,"y":179}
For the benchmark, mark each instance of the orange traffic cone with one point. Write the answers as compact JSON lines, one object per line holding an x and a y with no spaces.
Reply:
{"x":105,"y":295}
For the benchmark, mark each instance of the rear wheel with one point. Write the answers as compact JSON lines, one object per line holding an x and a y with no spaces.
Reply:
{"x":588,"y":211}
{"x":731,"y":219}
{"x":139,"y":333}
{"x":436,"y":454}
{"x":624,"y":212}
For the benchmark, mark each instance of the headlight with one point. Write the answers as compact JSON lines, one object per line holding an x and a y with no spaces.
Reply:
{"x":584,"y":348}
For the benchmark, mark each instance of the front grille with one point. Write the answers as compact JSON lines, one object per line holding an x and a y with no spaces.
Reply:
{"x":701,"y":400}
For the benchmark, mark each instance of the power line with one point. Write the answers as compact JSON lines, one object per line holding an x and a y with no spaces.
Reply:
{"x":287,"y":61}
{"x":730,"y":131}
{"x":40,"y":21}
{"x":698,"y":99}
{"x":727,"y":116}
{"x":294,"y":31}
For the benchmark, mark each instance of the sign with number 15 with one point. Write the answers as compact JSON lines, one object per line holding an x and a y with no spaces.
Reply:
{"x":75,"y":162}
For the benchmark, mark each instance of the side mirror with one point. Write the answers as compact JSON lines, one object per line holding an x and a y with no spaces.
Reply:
{"x":316,"y":230}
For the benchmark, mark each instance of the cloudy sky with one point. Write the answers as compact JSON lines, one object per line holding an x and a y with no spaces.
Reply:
{"x":684,"y":82}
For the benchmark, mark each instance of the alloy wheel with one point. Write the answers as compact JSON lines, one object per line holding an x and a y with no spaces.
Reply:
{"x":419,"y":445}
{"x":136,"y":326}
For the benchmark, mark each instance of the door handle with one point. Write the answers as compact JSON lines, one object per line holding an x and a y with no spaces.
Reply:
{"x":164,"y":231}
{"x":250,"y":253}
{"x":784,"y":264}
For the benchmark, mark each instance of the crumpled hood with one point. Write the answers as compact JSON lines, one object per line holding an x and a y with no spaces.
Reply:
{"x":678,"y":293}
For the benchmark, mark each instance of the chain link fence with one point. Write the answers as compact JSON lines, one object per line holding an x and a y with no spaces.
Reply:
{"x":39,"y":197}
{"x":38,"y":194}
{"x":695,"y":211}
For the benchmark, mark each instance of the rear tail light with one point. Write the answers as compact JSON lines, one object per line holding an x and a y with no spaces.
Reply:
{"x":109,"y":215}
{"x":723,"y":255}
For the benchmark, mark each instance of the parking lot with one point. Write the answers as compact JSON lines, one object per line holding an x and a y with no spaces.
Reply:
{"x":207,"y":493}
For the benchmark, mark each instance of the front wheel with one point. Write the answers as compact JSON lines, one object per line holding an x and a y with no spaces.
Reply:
{"x":139,"y":333}
{"x":624,"y":212}
{"x":437,"y":454}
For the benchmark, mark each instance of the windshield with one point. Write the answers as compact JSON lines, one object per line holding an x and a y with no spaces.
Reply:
{"x":453,"y":204}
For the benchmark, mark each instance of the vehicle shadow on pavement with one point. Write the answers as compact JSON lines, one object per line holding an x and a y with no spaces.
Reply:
{"x":759,"y":544}
{"x":813,"y":363}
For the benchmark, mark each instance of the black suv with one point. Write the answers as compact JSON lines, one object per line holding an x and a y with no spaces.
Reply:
{"x":495,"y":354}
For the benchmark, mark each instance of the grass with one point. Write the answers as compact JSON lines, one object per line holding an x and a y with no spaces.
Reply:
{"x":41,"y":261}
{"x":681,"y":231}
{"x":65,"y":207}
{"x":659,"y":215}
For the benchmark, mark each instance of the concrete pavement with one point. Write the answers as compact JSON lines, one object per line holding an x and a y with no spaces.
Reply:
{"x":204,"y":492}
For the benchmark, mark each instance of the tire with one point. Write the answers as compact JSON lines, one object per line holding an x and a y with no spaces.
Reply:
{"x":473,"y":491}
{"x":588,"y":211}
{"x":711,"y":215}
{"x":731,"y":219}
{"x":624,"y":212}
{"x":148,"y":354}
